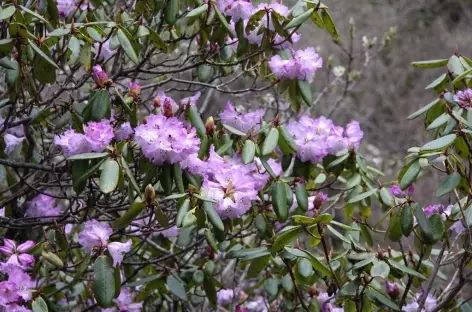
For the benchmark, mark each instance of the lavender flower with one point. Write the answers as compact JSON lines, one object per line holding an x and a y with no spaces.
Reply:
{"x":105,"y":51}
{"x":392,"y":289}
{"x":96,"y":235}
{"x":98,"y":135}
{"x":464,"y":98}
{"x":397,"y":192}
{"x":42,"y":206}
{"x":191,"y":100}
{"x":11,"y":142}
{"x":72,"y":143}
{"x":225,"y":296}
{"x":241,"y":122}
{"x":66,"y":7}
{"x":301,"y":66}
{"x":124,"y":132}
{"x":239,"y":9}
{"x":173,"y":231}
{"x":124,"y":302}
{"x":166,"y":140}
{"x":18,"y":254}
{"x":432,"y":209}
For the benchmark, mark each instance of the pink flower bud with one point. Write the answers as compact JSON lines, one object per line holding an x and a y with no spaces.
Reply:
{"x":134,"y":89}
{"x":100,"y":76}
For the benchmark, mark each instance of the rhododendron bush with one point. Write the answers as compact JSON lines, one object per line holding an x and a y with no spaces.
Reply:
{"x":117,"y":195}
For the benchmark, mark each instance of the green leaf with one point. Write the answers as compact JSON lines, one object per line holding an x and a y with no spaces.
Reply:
{"x":286,"y":237}
{"x":130,"y":215}
{"x":394,"y":231}
{"x":302,"y":196}
{"x":88,"y":156}
{"x":271,"y":286}
{"x":103,"y":281}
{"x":366,"y":235}
{"x":423,"y":222}
{"x":161,"y":217}
{"x":183,"y":207}
{"x":364,"y":262}
{"x":176,"y":287}
{"x":59,"y":32}
{"x":320,"y":267}
{"x":380,"y":269}
{"x":436,"y":82}
{"x":7,"y":12}
{"x":157,"y":40}
{"x":94,"y":34}
{"x":39,"y":305}
{"x":165,"y":177}
{"x":344,"y":226}
{"x":249,"y":150}
{"x":437,"y":227}
{"x":224,"y":22}
{"x":128,"y":172}
{"x":441,"y":120}
{"x":109,"y":176}
{"x":468,"y":217}
{"x":198,"y":277}
{"x":42,"y":54}
{"x":234,"y":130}
{"x":210,"y":290}
{"x":328,"y":22}
{"x":261,"y":223}
{"x":204,"y":72}
{"x":407,"y":221}
{"x":213,"y":215}
{"x":448,"y":184}
{"x":362,"y":196}
{"x":405,"y":269}
{"x":270,"y":142}
{"x":288,"y":138}
{"x":430,"y":63}
{"x":338,"y":235}
{"x":196,"y":120}
{"x":279,"y":201}
{"x":287,"y":283}
{"x":143,"y":281}
{"x":171,"y":11}
{"x":300,"y":19}
{"x":251,"y":253}
{"x":382,"y":299}
{"x":177,"y":174}
{"x":98,"y":107}
{"x":127,"y":46}
{"x":455,"y":65}
{"x":461,"y":76}
{"x":257,"y":266}
{"x":304,"y":268}
{"x":198,"y":11}
{"x":423,"y":110}
{"x":410,"y":174}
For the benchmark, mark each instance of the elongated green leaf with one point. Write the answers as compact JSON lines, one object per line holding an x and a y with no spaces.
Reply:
{"x":127,"y":47}
{"x":380,"y":269}
{"x":405,"y":269}
{"x":304,"y":268}
{"x":328,"y":22}
{"x":437,"y":227}
{"x":430,"y":63}
{"x":436,"y":82}
{"x":441,"y":120}
{"x":234,"y":130}
{"x":109,"y":176}
{"x":98,"y":107}
{"x":423,"y":222}
{"x":394,"y":231}
{"x":196,"y":120}
{"x":198,"y":11}
{"x":210,"y":290}
{"x":362,"y":196}
{"x":364,"y":262}
{"x":410,"y":174}
{"x":224,"y":22}
{"x":176,"y":287}
{"x":455,"y":65}
{"x":288,"y":138}
{"x":461,"y":76}
{"x":407,"y":221}
{"x":213,"y":215}
{"x":41,"y":53}
{"x":302,"y":196}
{"x":300,"y":19}
{"x":130,"y":215}
{"x":249,"y":150}
{"x":245,"y":253}
{"x":39,"y":305}
{"x":88,"y":156}
{"x":279,"y":201}
{"x":128,"y":172}
{"x":270,"y":142}
{"x":171,"y":11}
{"x":7,"y":12}
{"x":183,"y":207}
{"x":382,"y":299}
{"x":143,"y":281}
{"x":177,"y":174}
{"x":423,"y":110}
{"x":448,"y":184}
{"x":104,"y":281}
{"x":286,"y":237}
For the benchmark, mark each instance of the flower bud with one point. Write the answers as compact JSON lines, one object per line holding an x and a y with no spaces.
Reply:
{"x":100,"y":76}
{"x":210,"y":126}
{"x":149,"y":194}
{"x":392,"y":290}
{"x":320,"y":198}
{"x":157,"y":102}
{"x":312,"y":291}
{"x":168,"y":112}
{"x":134,"y":89}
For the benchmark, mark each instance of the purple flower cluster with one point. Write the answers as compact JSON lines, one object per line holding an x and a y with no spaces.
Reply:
{"x":327,"y":303}
{"x":429,"y":304}
{"x":302,"y":65}
{"x":124,"y":302}
{"x":464,"y":98}
{"x":96,"y":235}
{"x":97,"y":136}
{"x":166,"y":140}
{"x":12,"y":137}
{"x":18,"y":288}
{"x":317,"y":138}
{"x":397,"y":192}
{"x":42,"y":206}
{"x":228,"y":181}
{"x":241,"y":122}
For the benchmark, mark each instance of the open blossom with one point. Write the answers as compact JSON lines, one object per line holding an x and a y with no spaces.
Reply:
{"x":429,"y":304}
{"x":99,"y":76}
{"x":72,"y":143}
{"x":124,"y":132}
{"x":17,"y":254}
{"x":241,"y":122}
{"x":327,"y":303}
{"x":105,"y":51}
{"x":301,"y":66}
{"x":124,"y":302}
{"x":66,"y":7}
{"x":464,"y":98}
{"x":239,"y":9}
{"x":392,"y":289}
{"x":283,"y":43}
{"x":191,"y":100}
{"x":166,"y":140}
{"x":98,"y":135}
{"x":96,"y":235}
{"x":233,"y":191}
{"x":11,"y":142}
{"x":317,"y":138}
{"x":42,"y":206}
{"x":432,"y":209}
{"x":274,"y":6}
{"x":18,"y":287}
{"x":170,"y":232}
{"x":225,"y":296}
